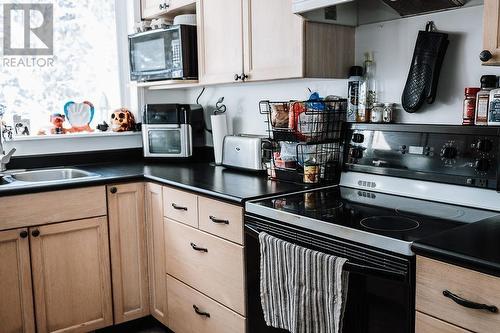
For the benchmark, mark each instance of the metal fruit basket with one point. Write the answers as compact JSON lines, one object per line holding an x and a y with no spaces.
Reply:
{"x":289,"y":159}
{"x":305,"y":121}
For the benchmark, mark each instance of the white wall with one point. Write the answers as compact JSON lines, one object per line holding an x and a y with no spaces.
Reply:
{"x":242,"y":100}
{"x":393,"y":43}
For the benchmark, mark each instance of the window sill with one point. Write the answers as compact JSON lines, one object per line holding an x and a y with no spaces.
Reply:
{"x":73,"y":143}
{"x":72,"y":136}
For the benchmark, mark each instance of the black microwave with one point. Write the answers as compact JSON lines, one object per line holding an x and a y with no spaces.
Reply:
{"x":164,"y":54}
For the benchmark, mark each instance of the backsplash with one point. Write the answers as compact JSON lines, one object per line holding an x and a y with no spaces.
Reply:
{"x":392,"y":43}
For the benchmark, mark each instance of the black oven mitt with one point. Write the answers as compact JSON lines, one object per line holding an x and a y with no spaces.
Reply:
{"x":422,"y":81}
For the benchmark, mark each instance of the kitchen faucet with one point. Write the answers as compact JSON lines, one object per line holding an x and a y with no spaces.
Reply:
{"x":4,"y":157}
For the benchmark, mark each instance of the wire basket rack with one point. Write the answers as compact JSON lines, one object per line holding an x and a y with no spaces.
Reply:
{"x":290,"y":162}
{"x":307,"y":139}
{"x":305,"y":121}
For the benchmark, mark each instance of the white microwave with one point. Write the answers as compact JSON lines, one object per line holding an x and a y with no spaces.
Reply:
{"x":172,"y":130}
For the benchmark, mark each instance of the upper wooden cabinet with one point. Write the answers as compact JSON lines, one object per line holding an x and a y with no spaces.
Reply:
{"x":151,"y":9}
{"x":253,"y":40}
{"x":156,"y":253}
{"x":491,"y":39}
{"x":129,"y":262}
{"x":220,"y":40}
{"x":71,"y":277}
{"x":16,"y":306}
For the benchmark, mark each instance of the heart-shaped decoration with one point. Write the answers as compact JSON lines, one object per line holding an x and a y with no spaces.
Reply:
{"x":79,"y":115}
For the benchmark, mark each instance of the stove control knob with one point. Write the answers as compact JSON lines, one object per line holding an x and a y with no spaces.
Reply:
{"x":356,"y":153}
{"x":449,"y":152}
{"x":358,"y":138}
{"x":482,"y":165}
{"x":484,"y":145}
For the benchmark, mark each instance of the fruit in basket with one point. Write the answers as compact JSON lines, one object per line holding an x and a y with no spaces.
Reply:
{"x":279,"y":115}
{"x":307,"y":124}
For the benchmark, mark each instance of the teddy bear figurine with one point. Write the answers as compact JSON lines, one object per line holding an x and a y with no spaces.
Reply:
{"x":57,"y":119}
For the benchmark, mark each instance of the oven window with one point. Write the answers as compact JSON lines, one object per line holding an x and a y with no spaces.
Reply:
{"x":148,"y":55}
{"x":165,"y":142}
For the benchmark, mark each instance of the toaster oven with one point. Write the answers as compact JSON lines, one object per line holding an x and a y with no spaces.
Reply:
{"x":171,"y":130}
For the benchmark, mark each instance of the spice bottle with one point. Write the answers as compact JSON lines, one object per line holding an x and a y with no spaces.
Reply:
{"x":469,"y":115}
{"x":311,"y":171}
{"x":367,"y":92}
{"x":377,"y":114}
{"x":354,"y":82}
{"x":494,"y":109}
{"x":389,"y":112}
{"x":488,"y":83}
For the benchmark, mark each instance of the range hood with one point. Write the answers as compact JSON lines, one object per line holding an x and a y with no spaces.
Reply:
{"x":401,"y":7}
{"x":415,"y":7}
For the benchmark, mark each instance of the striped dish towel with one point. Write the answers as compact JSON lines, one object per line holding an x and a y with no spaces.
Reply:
{"x":301,"y":290}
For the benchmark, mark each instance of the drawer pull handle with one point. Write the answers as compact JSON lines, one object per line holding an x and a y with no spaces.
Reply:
{"x":216,"y":220}
{"x":179,"y":207}
{"x":469,"y":304}
{"x":201,"y":313}
{"x":196,"y":248}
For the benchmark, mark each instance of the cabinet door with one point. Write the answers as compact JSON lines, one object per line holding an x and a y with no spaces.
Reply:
{"x":220,"y":37}
{"x":156,"y":252}
{"x":129,"y":265}
{"x":16,"y":305}
{"x":274,"y":39}
{"x":71,"y":276}
{"x":492,"y":30}
{"x":153,"y":8}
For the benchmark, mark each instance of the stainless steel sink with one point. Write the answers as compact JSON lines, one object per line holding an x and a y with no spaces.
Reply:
{"x":52,"y":175}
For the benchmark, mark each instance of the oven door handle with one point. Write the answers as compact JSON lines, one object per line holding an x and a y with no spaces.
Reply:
{"x":352,"y":267}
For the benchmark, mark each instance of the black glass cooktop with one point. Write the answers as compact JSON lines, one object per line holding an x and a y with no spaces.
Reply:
{"x":396,"y":217}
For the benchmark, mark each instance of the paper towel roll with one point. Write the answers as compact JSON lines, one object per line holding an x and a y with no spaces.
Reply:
{"x":219,"y":131}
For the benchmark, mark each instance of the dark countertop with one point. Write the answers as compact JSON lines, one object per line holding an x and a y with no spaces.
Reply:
{"x":203,"y":178}
{"x":475,"y":246}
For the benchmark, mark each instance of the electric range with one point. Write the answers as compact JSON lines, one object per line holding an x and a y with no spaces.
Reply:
{"x":400,"y":183}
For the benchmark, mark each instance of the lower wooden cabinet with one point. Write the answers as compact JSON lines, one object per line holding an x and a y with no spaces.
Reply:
{"x":450,"y":293}
{"x":16,"y":300}
{"x":71,"y":276}
{"x":129,"y":263}
{"x":193,"y":312}
{"x":207,"y":263}
{"x":428,"y":324}
{"x":156,"y":252}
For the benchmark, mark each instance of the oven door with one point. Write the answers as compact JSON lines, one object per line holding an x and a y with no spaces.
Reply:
{"x":156,"y":55}
{"x":376,"y":303}
{"x":167,"y":140}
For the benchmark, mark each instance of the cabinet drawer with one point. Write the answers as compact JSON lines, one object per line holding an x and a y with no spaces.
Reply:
{"x":180,"y":206}
{"x":48,"y":207}
{"x":428,"y":324}
{"x":192,"y":312}
{"x":221,"y":219}
{"x":207,"y":263}
{"x":434,"y":277}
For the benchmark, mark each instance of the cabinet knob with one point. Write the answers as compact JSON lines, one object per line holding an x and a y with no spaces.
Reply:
{"x":35,"y":233}
{"x":113,"y":190}
{"x":485,"y":56}
{"x":23,"y":234}
{"x":241,"y":77}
